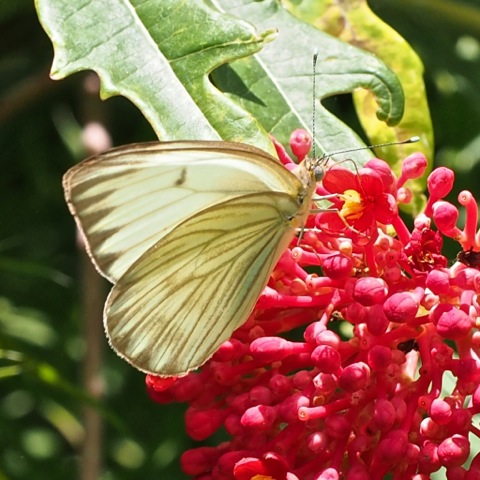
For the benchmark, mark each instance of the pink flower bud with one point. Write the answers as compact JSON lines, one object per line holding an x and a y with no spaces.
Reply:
{"x":379,"y":358}
{"x":313,"y":331}
{"x":438,"y":281}
{"x":392,"y":448}
{"x":300,"y":143}
{"x":198,"y":460}
{"x":302,"y":379}
{"x":318,"y":441}
{"x":354,"y":377}
{"x":273,"y":349}
{"x":383,"y":169}
{"x":401,"y":307}
{"x":200,"y":424}
{"x":229,"y":350}
{"x":327,"y":474}
{"x":246,"y":468}
{"x":187,"y":388}
{"x":356,"y":313}
{"x":370,"y":291}
{"x":413,"y":166}
{"x":428,"y":459}
{"x":400,"y":409}
{"x":445,"y":216}
{"x":327,"y":337}
{"x":440,"y":182}
{"x":261,"y":395}
{"x":440,"y":411}
{"x":259,"y":418}
{"x":454,"y":451}
{"x":233,"y":424}
{"x":159,"y":384}
{"x":337,"y":267}
{"x":338,"y":426}
{"x":467,"y":279}
{"x":377,"y":322}
{"x":383,"y":417}
{"x":280,"y":385}
{"x":431,"y":430}
{"x":454,"y":324}
{"x":326,"y":359}
{"x":460,"y":421}
{"x":289,"y":407}
{"x":325,"y":384}
{"x":404,"y":195}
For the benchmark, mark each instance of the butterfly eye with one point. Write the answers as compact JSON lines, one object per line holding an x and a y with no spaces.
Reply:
{"x":318,"y":173}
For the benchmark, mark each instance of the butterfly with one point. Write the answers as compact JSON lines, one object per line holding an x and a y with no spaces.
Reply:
{"x":188,"y":233}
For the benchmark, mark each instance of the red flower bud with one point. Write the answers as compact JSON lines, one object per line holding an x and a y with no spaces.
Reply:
{"x":454,"y":324}
{"x":440,"y":411}
{"x":454,"y":451}
{"x":401,"y":307}
{"x":445,"y":216}
{"x":200,"y":424}
{"x":327,"y":474}
{"x":428,"y":459}
{"x":392,"y":448}
{"x":259,"y":418}
{"x":326,"y":359}
{"x":370,"y":291}
{"x":379,"y":357}
{"x":413,"y":166}
{"x":318,"y":441}
{"x":337,"y":266}
{"x":438,"y":281}
{"x":300,"y":143}
{"x":383,"y":417}
{"x":198,"y":460}
{"x":338,"y":426}
{"x":354,"y":377}
{"x":440,"y":182}
{"x":377,"y":322}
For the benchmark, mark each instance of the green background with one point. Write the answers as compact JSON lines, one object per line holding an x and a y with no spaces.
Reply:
{"x":42,"y":403}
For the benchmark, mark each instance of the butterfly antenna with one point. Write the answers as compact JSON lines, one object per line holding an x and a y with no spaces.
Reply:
{"x":314,"y":94}
{"x":378,"y":145}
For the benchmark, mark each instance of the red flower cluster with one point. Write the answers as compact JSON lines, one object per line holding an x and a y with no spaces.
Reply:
{"x":364,"y":393}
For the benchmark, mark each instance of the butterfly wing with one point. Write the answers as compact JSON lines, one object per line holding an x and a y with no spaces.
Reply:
{"x":127,"y":199}
{"x":186,"y":295}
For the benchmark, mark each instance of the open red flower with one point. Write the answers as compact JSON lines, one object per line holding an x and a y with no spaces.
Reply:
{"x":365,"y":198}
{"x":270,"y":467}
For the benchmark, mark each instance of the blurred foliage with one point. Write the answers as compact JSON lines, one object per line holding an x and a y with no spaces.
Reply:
{"x":41,"y":396}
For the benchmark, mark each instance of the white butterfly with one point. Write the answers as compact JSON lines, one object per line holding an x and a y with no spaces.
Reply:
{"x":188,"y":233}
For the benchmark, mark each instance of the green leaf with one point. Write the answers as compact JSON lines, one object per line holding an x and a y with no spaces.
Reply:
{"x":160,"y":54}
{"x":355,"y":23}
{"x":276,"y":84}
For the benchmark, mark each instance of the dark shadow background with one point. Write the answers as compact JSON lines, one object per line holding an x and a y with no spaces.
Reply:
{"x":41,"y":271}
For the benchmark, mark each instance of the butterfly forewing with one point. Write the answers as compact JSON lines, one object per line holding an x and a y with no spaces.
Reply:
{"x":187,"y":294}
{"x":126,"y":200}
{"x":189,"y":233}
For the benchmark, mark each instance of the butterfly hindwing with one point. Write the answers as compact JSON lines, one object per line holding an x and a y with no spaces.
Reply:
{"x":185,"y":295}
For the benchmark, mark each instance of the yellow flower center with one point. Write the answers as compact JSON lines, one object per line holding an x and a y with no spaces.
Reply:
{"x":262,"y":477}
{"x":353,"y":206}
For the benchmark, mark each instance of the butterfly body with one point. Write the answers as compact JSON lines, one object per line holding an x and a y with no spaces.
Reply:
{"x":188,"y":233}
